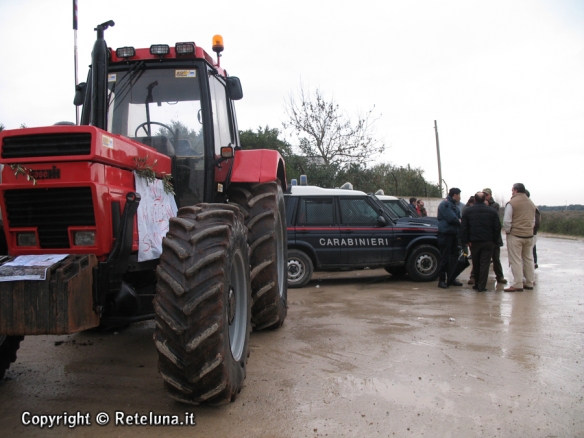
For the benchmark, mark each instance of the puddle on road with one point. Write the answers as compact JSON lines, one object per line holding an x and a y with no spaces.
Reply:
{"x":350,"y":387}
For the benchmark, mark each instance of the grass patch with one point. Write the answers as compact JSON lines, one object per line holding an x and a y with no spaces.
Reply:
{"x":570,"y":223}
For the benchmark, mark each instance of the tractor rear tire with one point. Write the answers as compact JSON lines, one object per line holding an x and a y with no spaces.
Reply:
{"x":265,"y":217}
{"x":203,"y":305}
{"x":9,"y":345}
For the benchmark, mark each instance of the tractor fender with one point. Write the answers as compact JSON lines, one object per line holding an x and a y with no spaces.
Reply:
{"x":257,"y":166}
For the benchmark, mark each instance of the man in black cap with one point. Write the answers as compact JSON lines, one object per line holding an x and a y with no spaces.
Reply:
{"x":448,"y":236}
{"x":481,"y":230}
{"x":497,"y":267}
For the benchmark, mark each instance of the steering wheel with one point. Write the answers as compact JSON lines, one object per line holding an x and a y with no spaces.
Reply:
{"x":143,"y":126}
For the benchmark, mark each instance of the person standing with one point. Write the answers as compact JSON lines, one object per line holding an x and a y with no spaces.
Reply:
{"x":481,"y":231}
{"x":518,"y":223}
{"x":535,"y":230}
{"x":465,"y":248}
{"x":421,"y":208}
{"x":469,"y":203}
{"x":448,"y":236}
{"x":497,"y":267}
{"x":413,"y":206}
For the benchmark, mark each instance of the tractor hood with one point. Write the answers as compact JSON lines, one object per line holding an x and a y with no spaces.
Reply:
{"x":76,"y":143}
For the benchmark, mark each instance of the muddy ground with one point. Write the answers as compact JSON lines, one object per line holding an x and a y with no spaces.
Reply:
{"x":361,"y":354}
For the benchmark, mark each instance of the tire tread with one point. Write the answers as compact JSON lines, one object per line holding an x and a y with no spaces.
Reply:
{"x":192,"y":333}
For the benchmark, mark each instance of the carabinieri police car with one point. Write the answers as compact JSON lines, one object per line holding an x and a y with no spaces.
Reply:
{"x":338,"y":229}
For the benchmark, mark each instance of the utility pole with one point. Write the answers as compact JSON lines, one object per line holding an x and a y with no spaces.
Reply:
{"x":75,"y":55}
{"x":438,"y":153}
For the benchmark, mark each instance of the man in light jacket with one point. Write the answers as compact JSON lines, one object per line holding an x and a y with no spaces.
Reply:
{"x":518,"y":224}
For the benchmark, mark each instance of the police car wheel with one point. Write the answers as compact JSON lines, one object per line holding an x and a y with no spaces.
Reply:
{"x":299,"y":268}
{"x":422,"y":263}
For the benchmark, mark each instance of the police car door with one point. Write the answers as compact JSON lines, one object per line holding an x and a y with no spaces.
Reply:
{"x":363,"y":241}
{"x":317,"y":228}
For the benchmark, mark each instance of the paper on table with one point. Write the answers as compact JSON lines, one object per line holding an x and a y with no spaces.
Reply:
{"x":29,"y":267}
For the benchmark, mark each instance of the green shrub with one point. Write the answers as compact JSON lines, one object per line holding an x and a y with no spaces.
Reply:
{"x":567,"y":222}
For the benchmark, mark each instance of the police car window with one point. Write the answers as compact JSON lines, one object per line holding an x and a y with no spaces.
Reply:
{"x":316,"y":211}
{"x":357,"y":212}
{"x":396,"y":208}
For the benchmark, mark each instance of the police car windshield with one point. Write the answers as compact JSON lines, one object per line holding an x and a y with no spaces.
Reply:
{"x":395,"y":206}
{"x":391,"y":212}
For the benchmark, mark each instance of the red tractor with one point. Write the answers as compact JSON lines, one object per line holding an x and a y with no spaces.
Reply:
{"x":148,"y":114}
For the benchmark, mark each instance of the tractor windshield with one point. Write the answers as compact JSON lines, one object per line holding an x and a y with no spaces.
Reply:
{"x":158,"y":107}
{"x":162,"y":108}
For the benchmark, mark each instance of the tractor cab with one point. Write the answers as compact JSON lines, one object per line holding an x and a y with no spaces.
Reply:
{"x":175,"y":100}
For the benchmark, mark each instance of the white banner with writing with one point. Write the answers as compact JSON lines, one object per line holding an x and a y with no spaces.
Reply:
{"x":155,"y":209}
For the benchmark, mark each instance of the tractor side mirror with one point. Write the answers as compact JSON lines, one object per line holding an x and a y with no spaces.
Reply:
{"x":80,"y":94}
{"x":234,"y":88}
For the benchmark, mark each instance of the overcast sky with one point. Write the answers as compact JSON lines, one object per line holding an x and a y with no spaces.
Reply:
{"x":503,"y":78}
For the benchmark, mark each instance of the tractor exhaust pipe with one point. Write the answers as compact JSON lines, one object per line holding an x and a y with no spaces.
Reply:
{"x":99,"y":64}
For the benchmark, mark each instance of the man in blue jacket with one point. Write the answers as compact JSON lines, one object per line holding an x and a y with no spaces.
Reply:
{"x":448,"y":236}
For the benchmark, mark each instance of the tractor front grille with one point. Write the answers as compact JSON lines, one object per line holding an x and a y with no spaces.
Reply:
{"x":46,"y":145}
{"x":52,"y":211}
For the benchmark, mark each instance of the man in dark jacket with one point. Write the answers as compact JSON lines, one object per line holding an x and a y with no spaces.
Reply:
{"x":414,"y":207}
{"x":535,"y":230}
{"x":448,"y":236}
{"x":481,"y":229}
{"x":497,"y":267}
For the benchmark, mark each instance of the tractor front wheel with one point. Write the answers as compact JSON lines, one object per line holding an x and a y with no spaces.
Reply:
{"x":203,"y":305}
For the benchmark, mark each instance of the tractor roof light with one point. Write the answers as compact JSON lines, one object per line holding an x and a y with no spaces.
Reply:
{"x":218,"y":44}
{"x":125,"y":52}
{"x":185,"y":48}
{"x":159,"y":49}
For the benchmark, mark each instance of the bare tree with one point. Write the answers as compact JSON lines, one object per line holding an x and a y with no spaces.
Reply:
{"x":326,"y":132}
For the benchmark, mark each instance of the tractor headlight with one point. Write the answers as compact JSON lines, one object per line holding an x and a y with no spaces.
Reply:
{"x":26,"y":239}
{"x":159,"y":49}
{"x":84,"y":238}
{"x":185,"y":48}
{"x":125,"y":52}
